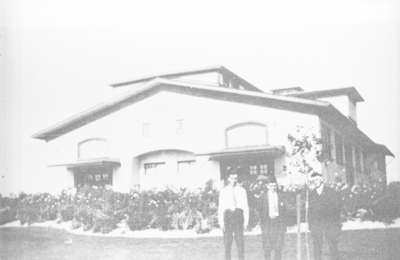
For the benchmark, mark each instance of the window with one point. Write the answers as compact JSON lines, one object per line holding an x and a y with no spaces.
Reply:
{"x":93,"y":177}
{"x":253,"y":169}
{"x":186,"y":173}
{"x":381,"y":163}
{"x":358,"y":158}
{"x":326,"y":142}
{"x":92,"y":148}
{"x":167,"y":168}
{"x":366,"y":164}
{"x":246,"y":134}
{"x":185,"y":167}
{"x":264,"y":169}
{"x":179,"y":126}
{"x":348,"y":155}
{"x":258,"y":169}
{"x":349,"y":163}
{"x":362,"y":161}
{"x":339,"y":149}
{"x":153,"y":168}
{"x":154,"y":175}
{"x":146,"y":128}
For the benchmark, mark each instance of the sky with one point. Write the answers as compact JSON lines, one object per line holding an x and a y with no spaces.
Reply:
{"x":60,"y":57}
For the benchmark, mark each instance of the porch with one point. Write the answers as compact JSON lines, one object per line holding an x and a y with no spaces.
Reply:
{"x":248,"y":161}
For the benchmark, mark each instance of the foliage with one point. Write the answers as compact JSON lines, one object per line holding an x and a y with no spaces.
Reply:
{"x":36,"y":207}
{"x":386,"y":208}
{"x":101,"y":209}
{"x":8,"y":209}
{"x":171,"y":209}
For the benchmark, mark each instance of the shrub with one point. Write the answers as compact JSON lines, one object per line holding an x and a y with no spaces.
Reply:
{"x":139,"y":214}
{"x":67,"y":212}
{"x":8,"y":209}
{"x":36,"y":208}
{"x":103,"y":223}
{"x":101,"y":209}
{"x":387,"y":207}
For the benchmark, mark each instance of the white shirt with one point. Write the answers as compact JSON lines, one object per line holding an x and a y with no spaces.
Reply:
{"x":273,"y":204}
{"x":231,"y":198}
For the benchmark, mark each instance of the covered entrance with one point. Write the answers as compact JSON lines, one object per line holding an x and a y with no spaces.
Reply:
{"x":98,"y":172}
{"x":249,"y":162}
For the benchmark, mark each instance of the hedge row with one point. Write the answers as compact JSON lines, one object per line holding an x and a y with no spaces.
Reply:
{"x":101,"y":209}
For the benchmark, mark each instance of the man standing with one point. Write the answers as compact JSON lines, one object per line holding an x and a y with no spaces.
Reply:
{"x":272,"y":215}
{"x":233,"y":215}
{"x":324,"y":217}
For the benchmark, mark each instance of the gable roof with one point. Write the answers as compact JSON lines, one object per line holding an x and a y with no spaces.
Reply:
{"x":150,"y":88}
{"x":321,"y":108}
{"x":228,"y":76}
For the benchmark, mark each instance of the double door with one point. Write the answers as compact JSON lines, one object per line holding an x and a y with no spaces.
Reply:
{"x":248,"y":168}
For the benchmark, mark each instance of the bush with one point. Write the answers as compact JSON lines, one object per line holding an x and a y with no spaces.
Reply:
{"x":101,"y":209}
{"x":387,"y":208}
{"x":67,"y":212}
{"x":8,"y":209}
{"x":139,"y":210}
{"x":36,"y":208}
{"x":103,"y":223}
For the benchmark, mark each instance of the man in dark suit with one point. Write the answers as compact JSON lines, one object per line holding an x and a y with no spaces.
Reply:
{"x":324,"y":217}
{"x":272,"y":214}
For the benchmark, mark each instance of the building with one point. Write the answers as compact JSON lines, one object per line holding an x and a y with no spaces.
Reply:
{"x":182,"y":129}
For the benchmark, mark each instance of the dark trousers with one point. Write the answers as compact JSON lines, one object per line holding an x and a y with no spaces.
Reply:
{"x":233,"y":228}
{"x":273,"y":238}
{"x":331,"y":232}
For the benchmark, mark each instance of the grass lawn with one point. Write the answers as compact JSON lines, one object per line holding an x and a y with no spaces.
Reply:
{"x":45,"y":243}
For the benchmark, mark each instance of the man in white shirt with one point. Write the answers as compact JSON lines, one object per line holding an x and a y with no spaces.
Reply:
{"x":233,"y":215}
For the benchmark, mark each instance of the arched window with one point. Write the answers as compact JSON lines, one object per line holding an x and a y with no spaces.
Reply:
{"x":246,"y":134}
{"x":92,"y":148}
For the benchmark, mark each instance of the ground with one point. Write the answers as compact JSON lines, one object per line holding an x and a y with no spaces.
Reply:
{"x":47,"y":243}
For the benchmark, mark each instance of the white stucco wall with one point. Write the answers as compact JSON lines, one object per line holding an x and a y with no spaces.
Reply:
{"x":204,"y":124}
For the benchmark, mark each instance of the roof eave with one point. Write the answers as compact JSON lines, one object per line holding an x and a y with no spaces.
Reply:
{"x":240,"y":96}
{"x":350,"y":127}
{"x":351,"y":92}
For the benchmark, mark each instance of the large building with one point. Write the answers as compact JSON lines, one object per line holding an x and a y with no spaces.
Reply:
{"x":185,"y":128}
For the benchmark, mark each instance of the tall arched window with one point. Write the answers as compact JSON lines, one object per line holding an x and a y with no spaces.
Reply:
{"x":246,"y":134}
{"x":92,"y":148}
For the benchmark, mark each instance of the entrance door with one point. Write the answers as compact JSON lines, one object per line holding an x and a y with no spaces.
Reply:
{"x":248,"y":168}
{"x":97,"y":176}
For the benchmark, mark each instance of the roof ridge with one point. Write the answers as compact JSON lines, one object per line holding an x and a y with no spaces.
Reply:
{"x":115,"y":103}
{"x":229,"y":77}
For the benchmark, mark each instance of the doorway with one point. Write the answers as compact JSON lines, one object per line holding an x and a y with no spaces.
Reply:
{"x":248,"y":167}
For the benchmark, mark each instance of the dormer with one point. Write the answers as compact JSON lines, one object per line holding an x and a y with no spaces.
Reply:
{"x":344,"y":99}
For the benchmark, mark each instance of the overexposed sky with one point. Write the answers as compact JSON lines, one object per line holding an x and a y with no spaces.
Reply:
{"x":59,"y":57}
